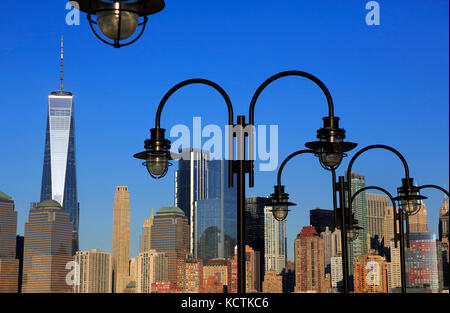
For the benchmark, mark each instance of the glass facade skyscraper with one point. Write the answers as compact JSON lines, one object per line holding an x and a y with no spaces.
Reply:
{"x":201,"y":191}
{"x":59,"y":172}
{"x":191,"y":184}
{"x":358,"y":247}
{"x":274,"y":242}
{"x":254,"y":226}
{"x":422,"y":265}
{"x":216,"y":217}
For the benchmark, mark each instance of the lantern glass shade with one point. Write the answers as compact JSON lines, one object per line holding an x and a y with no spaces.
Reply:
{"x":410,"y":206}
{"x":409,"y":199}
{"x":330,"y":159}
{"x":157,"y":165}
{"x":352,"y":233}
{"x":108,"y":22}
{"x":280,"y":212}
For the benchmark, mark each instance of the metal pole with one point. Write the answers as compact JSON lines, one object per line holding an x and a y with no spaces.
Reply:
{"x":240,"y":144}
{"x":402,"y":250}
{"x":241,"y":230}
{"x":343,"y":235}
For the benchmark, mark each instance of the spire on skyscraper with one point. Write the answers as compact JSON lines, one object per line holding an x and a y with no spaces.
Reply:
{"x":61,"y":78}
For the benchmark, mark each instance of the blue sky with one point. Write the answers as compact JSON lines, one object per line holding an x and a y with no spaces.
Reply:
{"x":389,"y":84}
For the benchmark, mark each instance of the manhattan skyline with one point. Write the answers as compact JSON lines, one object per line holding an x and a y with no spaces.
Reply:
{"x":396,"y":96}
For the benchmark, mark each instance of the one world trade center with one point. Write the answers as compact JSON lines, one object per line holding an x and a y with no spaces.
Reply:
{"x":59,"y":172}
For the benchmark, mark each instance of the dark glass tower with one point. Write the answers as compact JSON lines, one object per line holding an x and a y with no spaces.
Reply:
{"x":255,"y":227}
{"x":59,"y":172}
{"x":320,"y":219}
{"x":216,"y":217}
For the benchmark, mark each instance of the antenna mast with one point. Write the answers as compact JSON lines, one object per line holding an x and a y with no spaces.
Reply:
{"x":62,"y":67}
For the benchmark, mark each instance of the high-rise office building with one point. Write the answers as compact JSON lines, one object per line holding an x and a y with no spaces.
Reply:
{"x":308,"y":258}
{"x":422,"y":266}
{"x":394,"y":268}
{"x":145,"y":238}
{"x":418,"y":223}
{"x":358,"y":247}
{"x":9,"y":265}
{"x":232,"y":273}
{"x":254,"y":226}
{"x":370,"y":274}
{"x":191,"y":185}
{"x":320,"y":219}
{"x":151,"y":266}
{"x":274,"y":242}
{"x":388,"y":225}
{"x":47,"y":249}
{"x":95,"y":275}
{"x":170,"y":234}
{"x":59,"y":181}
{"x":336,"y":272}
{"x":336,"y":244}
{"x":443,"y":219}
{"x":376,"y":205}
{"x":8,"y":227}
{"x":252,"y":270}
{"x":189,"y":275}
{"x":121,"y":239}
{"x":215,"y":220}
{"x":9,"y":275}
{"x":327,"y":238}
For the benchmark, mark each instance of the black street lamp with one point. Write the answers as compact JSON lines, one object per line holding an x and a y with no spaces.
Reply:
{"x":157,"y":158}
{"x":280,"y":209}
{"x":446,"y":193}
{"x":157,"y":153}
{"x":330,"y":148}
{"x":408,"y":197}
{"x":398,"y":216}
{"x":118,"y":20}
{"x":279,"y":198}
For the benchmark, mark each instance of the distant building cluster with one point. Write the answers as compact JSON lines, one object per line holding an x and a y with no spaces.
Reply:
{"x":190,"y":246}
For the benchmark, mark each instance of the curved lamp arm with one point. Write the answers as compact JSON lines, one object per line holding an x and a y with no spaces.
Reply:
{"x":290,"y":73}
{"x":377,"y":188}
{"x":435,"y":187}
{"x":397,"y":216}
{"x":357,"y":154}
{"x":390,"y":197}
{"x":280,"y":170}
{"x":446,"y":192}
{"x":189,"y":82}
{"x":262,"y":87}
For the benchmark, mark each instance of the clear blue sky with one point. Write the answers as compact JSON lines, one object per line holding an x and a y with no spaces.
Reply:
{"x":389,"y":84}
